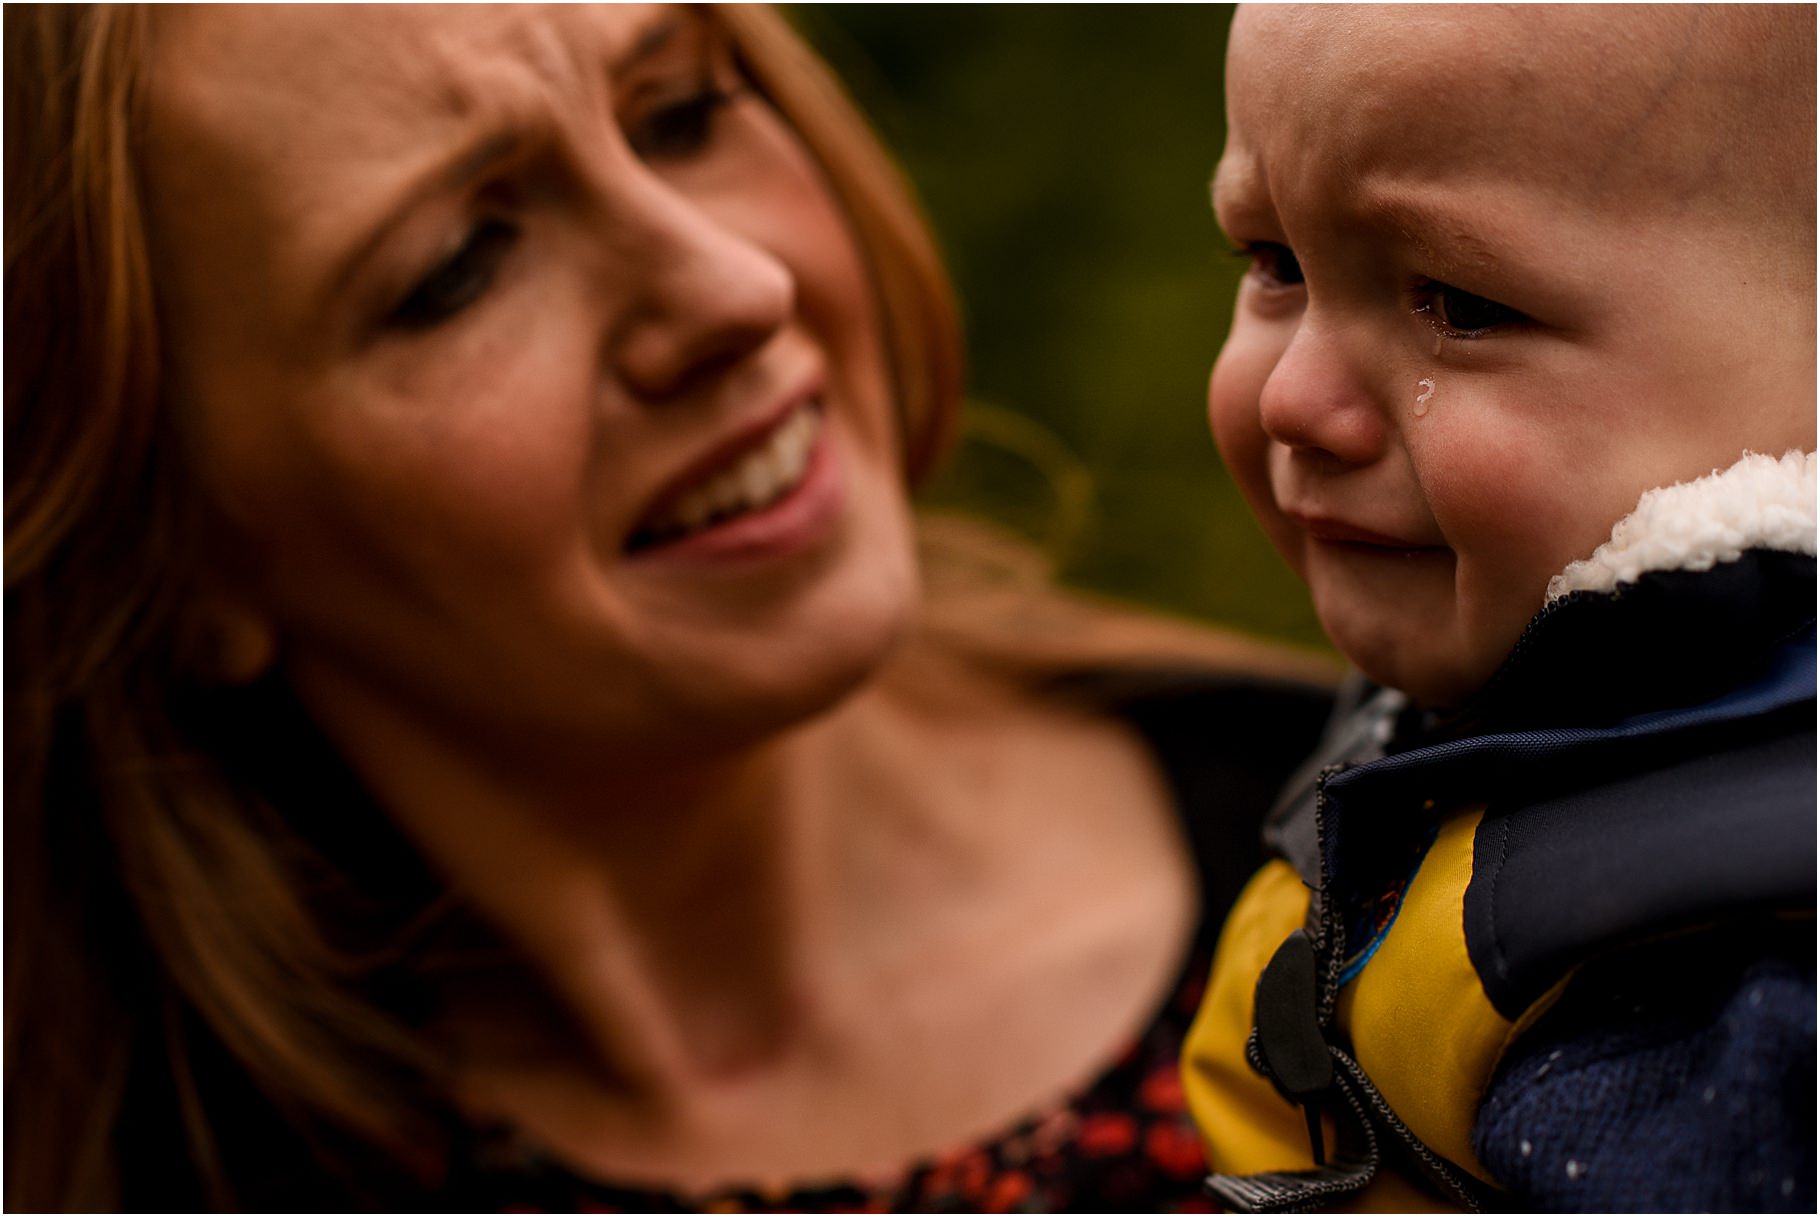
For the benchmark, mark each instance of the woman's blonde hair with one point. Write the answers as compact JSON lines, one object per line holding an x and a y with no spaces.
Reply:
{"x":162,"y":912}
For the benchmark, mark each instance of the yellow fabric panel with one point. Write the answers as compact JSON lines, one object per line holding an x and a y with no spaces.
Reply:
{"x":1421,"y":1025}
{"x":1247,"y":1126}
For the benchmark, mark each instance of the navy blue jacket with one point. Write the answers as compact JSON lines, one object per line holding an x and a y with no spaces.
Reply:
{"x":1646,"y":759}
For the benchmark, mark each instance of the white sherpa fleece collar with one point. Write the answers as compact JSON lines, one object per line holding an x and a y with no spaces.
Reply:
{"x":1759,"y":503}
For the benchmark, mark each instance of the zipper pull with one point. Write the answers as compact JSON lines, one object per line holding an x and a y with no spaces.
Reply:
{"x":1285,"y":1014}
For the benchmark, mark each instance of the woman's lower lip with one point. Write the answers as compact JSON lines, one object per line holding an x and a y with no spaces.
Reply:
{"x":798,"y":521}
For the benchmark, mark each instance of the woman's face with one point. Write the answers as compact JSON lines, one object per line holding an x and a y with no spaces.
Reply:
{"x":533,"y":368}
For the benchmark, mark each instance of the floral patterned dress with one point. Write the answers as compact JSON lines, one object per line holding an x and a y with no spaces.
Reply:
{"x":1123,"y":1143}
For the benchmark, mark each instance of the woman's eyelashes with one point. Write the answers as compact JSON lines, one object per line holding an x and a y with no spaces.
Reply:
{"x":460,"y":279}
{"x":682,"y":128}
{"x":1462,"y":314}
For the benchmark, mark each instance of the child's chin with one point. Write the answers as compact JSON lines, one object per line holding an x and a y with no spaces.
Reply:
{"x":1428,"y":681}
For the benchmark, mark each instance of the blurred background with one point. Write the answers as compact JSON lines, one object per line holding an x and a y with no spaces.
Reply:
{"x":1063,"y":153}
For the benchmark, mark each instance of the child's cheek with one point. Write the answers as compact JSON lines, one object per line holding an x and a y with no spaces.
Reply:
{"x":1501,"y":500}
{"x":1234,"y":391}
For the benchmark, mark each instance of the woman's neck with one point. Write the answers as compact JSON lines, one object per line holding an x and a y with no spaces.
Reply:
{"x":691,"y":924}
{"x":944,"y":891}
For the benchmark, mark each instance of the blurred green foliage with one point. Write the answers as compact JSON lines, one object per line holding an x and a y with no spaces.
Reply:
{"x":1063,"y":153}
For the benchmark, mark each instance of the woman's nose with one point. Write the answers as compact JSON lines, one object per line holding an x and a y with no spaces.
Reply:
{"x":1315,"y":402}
{"x":707,"y":295}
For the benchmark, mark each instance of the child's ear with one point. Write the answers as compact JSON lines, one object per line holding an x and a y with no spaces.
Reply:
{"x":229,"y":641}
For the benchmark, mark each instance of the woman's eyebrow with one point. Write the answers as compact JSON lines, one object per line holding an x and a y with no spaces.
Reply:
{"x":470,"y":162}
{"x":653,"y":39}
{"x":475,"y":158}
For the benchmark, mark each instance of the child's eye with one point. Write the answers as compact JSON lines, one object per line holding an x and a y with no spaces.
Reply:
{"x":1461,"y":313}
{"x":459,"y":280}
{"x":1272,"y":264}
{"x":680,"y":128}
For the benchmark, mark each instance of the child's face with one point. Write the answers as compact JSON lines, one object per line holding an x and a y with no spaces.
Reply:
{"x":1491,"y":302}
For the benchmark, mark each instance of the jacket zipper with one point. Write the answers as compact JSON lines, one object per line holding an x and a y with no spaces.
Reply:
{"x":1346,"y":1093}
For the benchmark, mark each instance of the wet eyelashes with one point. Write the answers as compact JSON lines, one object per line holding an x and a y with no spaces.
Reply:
{"x":1457,"y":313}
{"x":1272,"y":264}
{"x":1462,"y":314}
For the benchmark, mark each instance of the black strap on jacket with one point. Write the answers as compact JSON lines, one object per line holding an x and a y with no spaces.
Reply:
{"x":1288,"y":1045}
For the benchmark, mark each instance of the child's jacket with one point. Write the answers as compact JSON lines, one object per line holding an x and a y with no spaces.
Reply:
{"x":1631,"y":799}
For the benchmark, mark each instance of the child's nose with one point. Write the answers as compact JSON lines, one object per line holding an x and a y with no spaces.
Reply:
{"x":1314,"y":401}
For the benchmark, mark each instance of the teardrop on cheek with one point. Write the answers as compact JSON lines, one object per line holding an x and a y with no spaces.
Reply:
{"x":1427,"y":385}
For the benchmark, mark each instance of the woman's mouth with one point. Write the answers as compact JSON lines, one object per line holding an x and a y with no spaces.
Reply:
{"x":769,"y":472}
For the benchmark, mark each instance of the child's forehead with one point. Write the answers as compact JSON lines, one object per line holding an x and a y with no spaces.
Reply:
{"x":1606,"y":105}
{"x":1566,"y":51}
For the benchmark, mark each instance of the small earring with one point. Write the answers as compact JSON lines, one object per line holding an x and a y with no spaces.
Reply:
{"x":244,"y":650}
{"x":235,"y":645}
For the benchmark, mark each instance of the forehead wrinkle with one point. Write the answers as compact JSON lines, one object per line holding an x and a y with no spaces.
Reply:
{"x":1431,"y":85}
{"x":556,"y":54}
{"x":534,"y":79}
{"x":1623,"y":108}
{"x":398,"y":107}
{"x":550,"y":80}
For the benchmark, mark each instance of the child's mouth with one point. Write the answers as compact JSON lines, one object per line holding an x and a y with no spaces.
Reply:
{"x":1352,"y":536}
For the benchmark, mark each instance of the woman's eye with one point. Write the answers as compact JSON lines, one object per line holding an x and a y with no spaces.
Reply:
{"x":459,"y":280}
{"x":681,"y":128}
{"x":1464,"y":313}
{"x":1272,"y":264}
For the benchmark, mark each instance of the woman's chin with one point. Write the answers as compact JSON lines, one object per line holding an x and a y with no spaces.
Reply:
{"x":801,"y":682}
{"x":772,"y":684}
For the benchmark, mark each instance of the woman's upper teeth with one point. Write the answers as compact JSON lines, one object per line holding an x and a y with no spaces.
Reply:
{"x":757,"y":479}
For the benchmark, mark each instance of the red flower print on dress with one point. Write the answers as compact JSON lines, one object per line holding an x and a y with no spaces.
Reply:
{"x":1008,"y":1193}
{"x":1162,"y":1090}
{"x":1176,"y":1149}
{"x":1107,"y":1133}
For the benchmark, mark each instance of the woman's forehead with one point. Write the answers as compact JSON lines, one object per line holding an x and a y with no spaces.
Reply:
{"x":358,"y":77}
{"x":282,"y":138}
